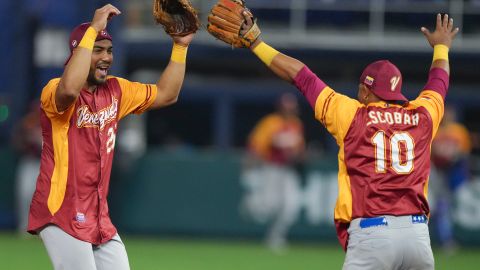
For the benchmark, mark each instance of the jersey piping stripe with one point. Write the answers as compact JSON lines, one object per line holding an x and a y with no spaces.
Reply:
{"x":325,"y":107}
{"x":147,"y":96}
{"x":58,"y":182}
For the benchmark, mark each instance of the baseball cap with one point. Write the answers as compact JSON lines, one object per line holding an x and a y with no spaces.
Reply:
{"x":78,"y":33}
{"x":384,"y":79}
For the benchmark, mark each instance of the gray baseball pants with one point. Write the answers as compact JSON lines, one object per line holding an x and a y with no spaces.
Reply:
{"x":69,"y":253}
{"x":398,"y":243}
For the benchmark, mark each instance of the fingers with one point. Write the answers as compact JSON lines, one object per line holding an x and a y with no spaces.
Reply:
{"x":439,"y":21}
{"x":247,"y":15}
{"x":425,"y":31}
{"x":113,"y":10}
{"x":450,"y":25}
{"x":450,"y":29}
{"x":455,"y":32}
{"x":445,"y":24}
{"x":445,"y":21}
{"x":110,"y":9}
{"x":248,"y":12}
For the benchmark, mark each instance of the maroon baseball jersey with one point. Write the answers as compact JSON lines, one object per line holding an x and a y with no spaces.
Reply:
{"x":77,"y":154}
{"x":384,"y":156}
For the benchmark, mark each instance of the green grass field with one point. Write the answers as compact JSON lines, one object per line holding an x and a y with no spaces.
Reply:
{"x":158,"y":253}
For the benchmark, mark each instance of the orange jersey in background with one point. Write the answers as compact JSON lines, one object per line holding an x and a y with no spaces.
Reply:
{"x":278,"y":139}
{"x":452,"y":141}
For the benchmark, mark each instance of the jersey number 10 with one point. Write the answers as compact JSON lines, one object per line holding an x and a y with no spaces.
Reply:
{"x":395,"y":142}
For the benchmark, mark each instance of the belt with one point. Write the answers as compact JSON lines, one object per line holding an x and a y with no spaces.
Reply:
{"x":383,"y":221}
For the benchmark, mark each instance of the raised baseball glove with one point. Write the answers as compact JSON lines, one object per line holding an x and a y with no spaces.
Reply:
{"x":226,"y":20}
{"x":178,"y":17}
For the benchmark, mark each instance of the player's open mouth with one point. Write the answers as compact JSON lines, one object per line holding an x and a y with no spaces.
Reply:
{"x":102,"y":70}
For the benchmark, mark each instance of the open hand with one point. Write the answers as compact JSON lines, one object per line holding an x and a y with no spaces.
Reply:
{"x":444,"y":32}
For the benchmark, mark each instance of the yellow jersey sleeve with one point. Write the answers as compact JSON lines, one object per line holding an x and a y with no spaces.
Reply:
{"x":47,"y":101}
{"x":433,"y":102}
{"x":136,"y":97}
{"x":335,"y":112}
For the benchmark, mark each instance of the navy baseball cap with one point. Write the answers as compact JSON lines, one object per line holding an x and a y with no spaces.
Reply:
{"x":78,"y":33}
{"x":384,"y":79}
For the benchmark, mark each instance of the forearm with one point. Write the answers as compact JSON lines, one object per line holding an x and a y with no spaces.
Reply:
{"x":76,"y":72}
{"x":438,"y":77}
{"x":171,"y":80}
{"x":282,"y":65}
{"x":291,"y":70}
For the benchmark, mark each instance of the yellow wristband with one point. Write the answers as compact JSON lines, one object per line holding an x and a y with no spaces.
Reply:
{"x":440,"y":52}
{"x":265,"y":53}
{"x":179,"y":53}
{"x":88,"y":39}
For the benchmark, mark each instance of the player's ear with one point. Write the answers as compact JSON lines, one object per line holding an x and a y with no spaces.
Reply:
{"x":364,"y":94}
{"x":361,"y":92}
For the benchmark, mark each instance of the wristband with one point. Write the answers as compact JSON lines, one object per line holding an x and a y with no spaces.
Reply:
{"x":440,"y":52}
{"x":179,"y":53}
{"x":265,"y":53}
{"x":88,"y":39}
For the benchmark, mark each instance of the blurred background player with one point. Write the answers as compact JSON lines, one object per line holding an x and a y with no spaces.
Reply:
{"x":27,"y":140}
{"x":382,"y":211}
{"x":277,"y":147}
{"x":450,"y":155}
{"x":79,"y":116}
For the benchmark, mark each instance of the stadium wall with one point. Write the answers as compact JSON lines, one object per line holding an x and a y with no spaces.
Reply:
{"x":204,"y":194}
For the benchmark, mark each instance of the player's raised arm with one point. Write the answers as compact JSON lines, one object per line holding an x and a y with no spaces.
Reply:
{"x":232,"y":22}
{"x":76,"y":71}
{"x":180,"y":21}
{"x":287,"y":68}
{"x":441,"y":41}
{"x":282,"y":65}
{"x":171,"y":80}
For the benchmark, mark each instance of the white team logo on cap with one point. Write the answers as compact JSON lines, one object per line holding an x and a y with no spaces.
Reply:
{"x":74,"y":43}
{"x":394,"y":82}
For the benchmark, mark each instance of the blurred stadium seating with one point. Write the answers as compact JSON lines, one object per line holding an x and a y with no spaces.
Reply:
{"x":332,"y":24}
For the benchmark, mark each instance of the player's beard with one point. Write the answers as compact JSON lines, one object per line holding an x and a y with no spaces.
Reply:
{"x":92,"y":79}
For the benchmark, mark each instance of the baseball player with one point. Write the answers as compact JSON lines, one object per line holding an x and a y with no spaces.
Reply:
{"x":277,"y":144}
{"x":79,"y":116}
{"x":382,"y":211}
